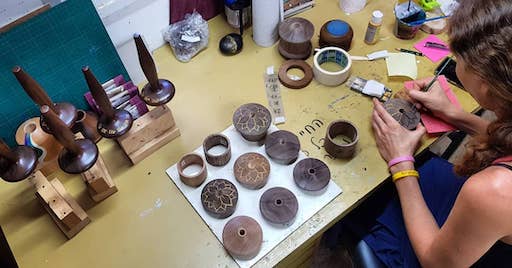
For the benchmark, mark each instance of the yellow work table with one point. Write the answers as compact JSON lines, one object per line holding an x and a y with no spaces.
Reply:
{"x":149,"y":223}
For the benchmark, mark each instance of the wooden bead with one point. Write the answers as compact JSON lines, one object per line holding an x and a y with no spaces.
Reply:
{"x":295,"y":84}
{"x":252,"y":120}
{"x":278,"y":205}
{"x":242,"y":237}
{"x":219,"y":198}
{"x":214,"y":140}
{"x":350,"y":137}
{"x":282,"y":146}
{"x":404,"y":112}
{"x":311,"y":174}
{"x":195,"y":179}
{"x":252,"y":170}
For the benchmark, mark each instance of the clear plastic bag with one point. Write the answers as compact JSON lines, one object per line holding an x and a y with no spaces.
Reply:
{"x":188,"y":36}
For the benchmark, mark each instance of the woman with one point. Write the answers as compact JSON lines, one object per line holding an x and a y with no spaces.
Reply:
{"x":480,"y":221}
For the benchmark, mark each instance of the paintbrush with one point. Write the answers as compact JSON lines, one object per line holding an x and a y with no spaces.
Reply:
{"x":427,"y":88}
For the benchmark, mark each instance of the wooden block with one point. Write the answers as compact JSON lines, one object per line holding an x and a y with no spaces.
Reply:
{"x":98,"y":181}
{"x":64,"y":210}
{"x":149,"y":132}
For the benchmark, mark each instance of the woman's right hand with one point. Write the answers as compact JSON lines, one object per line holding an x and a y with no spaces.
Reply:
{"x":434,"y":100}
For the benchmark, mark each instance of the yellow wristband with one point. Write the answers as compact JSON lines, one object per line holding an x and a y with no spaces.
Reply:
{"x":405,"y":173}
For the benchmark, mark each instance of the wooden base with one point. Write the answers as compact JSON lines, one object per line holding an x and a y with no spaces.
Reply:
{"x":64,"y":210}
{"x":148,"y":133}
{"x":98,"y":181}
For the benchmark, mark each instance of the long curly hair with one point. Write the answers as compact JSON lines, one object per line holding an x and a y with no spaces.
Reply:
{"x":481,"y":34}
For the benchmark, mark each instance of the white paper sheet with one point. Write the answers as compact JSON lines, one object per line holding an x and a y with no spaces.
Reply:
{"x":248,"y":200}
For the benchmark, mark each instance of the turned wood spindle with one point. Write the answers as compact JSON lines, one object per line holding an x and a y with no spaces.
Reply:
{"x":77,"y":156}
{"x":17,"y":164}
{"x":158,"y":91}
{"x":112,"y":122}
{"x":65,"y":111}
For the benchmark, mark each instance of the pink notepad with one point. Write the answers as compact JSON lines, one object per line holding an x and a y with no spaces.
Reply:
{"x":431,"y":123}
{"x":434,"y":54}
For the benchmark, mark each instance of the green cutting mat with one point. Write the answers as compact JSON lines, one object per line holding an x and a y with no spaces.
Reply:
{"x":52,"y":48}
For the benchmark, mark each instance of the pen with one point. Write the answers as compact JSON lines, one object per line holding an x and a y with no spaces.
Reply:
{"x":409,"y":51}
{"x":436,"y":45}
{"x":427,"y":88}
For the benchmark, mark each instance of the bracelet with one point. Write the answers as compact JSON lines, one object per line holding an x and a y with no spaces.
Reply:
{"x":405,"y":173}
{"x":196,"y":179}
{"x":400,"y":159}
{"x":219,"y":159}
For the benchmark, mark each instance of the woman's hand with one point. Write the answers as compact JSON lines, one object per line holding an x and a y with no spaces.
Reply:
{"x":434,"y":100}
{"x":392,"y":139}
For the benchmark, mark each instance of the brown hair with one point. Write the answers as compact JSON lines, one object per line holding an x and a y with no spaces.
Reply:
{"x":481,"y":34}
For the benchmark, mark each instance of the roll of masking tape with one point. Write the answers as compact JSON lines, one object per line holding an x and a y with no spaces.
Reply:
{"x":332,"y":56}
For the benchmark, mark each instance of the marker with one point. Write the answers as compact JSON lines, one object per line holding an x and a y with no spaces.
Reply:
{"x":427,"y":88}
{"x":436,"y":45}
{"x":409,"y":51}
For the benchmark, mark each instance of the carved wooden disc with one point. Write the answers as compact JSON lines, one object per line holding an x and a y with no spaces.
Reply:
{"x":242,"y":237}
{"x":252,"y":120}
{"x":252,"y":170}
{"x":311,"y":174}
{"x":282,"y":146}
{"x":219,"y":198}
{"x":278,"y":205}
{"x":404,"y":112}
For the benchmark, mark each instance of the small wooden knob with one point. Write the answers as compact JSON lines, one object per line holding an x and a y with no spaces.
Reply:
{"x":17,"y":164}
{"x":242,"y":237}
{"x":311,"y":174}
{"x":252,"y":170}
{"x":279,"y":205}
{"x":219,"y":198}
{"x":282,"y":146}
{"x":252,"y":120}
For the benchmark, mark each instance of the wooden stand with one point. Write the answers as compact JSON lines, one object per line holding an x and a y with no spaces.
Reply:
{"x":99,"y":183}
{"x":63,"y":209}
{"x":148,"y":133}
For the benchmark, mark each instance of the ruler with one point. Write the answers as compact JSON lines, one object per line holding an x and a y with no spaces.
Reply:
{"x":275,"y":102}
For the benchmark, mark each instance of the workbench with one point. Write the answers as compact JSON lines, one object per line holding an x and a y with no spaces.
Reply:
{"x":149,"y":223}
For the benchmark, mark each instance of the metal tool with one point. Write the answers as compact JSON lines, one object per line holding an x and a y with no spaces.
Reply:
{"x":427,"y":88}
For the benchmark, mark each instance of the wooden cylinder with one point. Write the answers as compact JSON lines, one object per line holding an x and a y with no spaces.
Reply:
{"x":219,"y":198}
{"x":311,"y":174}
{"x":282,"y":146}
{"x":336,"y":33}
{"x":214,"y":140}
{"x":196,"y":179}
{"x":349,"y":136}
{"x":242,"y":237}
{"x":252,"y":170}
{"x":279,"y":205}
{"x":295,"y":34}
{"x":252,"y":120}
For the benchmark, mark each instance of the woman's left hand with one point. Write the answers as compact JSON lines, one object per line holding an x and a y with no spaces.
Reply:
{"x":392,"y":139}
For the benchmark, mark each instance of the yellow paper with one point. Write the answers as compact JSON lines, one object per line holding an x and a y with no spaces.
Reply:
{"x":402,"y":64}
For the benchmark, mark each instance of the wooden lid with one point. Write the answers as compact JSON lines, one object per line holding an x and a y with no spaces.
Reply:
{"x":311,"y":174}
{"x":282,"y":146}
{"x":252,"y":120}
{"x":252,"y":170}
{"x":404,"y":112}
{"x":296,"y":30}
{"x":278,"y":205}
{"x":219,"y":198}
{"x":242,"y":237}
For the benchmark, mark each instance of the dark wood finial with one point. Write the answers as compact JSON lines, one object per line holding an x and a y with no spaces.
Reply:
{"x":146,"y":62}
{"x":60,"y":130}
{"x":32,"y":88}
{"x":99,"y":95}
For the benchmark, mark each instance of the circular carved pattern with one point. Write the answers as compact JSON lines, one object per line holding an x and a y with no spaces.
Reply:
{"x":282,"y":146}
{"x":278,"y":205}
{"x":252,"y":120}
{"x":214,"y":140}
{"x":219,"y":198}
{"x":311,"y":174}
{"x":242,"y":237}
{"x":252,"y":170}
{"x":404,"y":112}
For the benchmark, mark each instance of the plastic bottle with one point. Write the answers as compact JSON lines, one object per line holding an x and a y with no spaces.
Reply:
{"x":372,"y":32}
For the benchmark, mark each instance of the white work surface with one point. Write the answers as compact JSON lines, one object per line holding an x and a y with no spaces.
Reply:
{"x":248,"y":200}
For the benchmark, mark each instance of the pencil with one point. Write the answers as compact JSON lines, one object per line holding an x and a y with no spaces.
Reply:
{"x":427,"y":88}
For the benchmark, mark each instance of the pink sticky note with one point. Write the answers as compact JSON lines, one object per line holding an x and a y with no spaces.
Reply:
{"x":431,"y":123}
{"x":434,"y":54}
